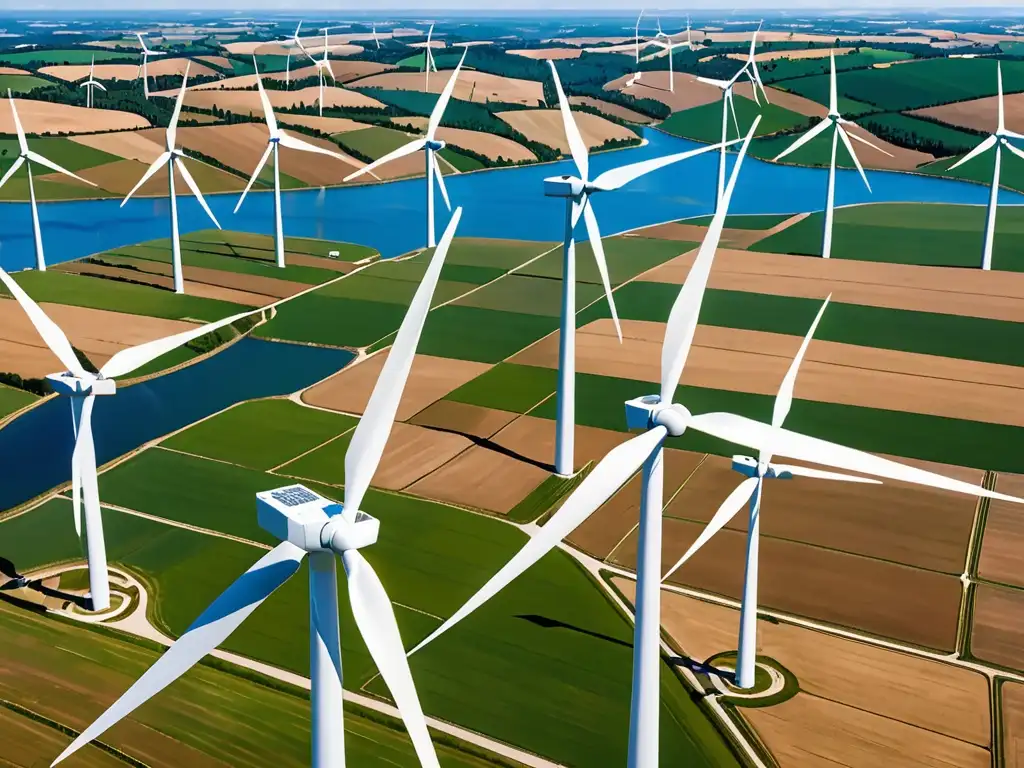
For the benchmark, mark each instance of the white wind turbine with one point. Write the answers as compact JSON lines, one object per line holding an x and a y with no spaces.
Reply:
{"x":82,"y":387}
{"x":577,"y":191}
{"x":171,"y":158}
{"x":663,"y":41}
{"x":277,"y":139}
{"x":288,"y":44}
{"x":91,"y":84}
{"x":375,"y":38}
{"x":660,"y":418}
{"x":310,"y":524}
{"x":749,"y":69}
{"x":430,"y":146}
{"x":322,"y":65}
{"x":636,"y":36}
{"x":838,"y":121}
{"x":26,"y":157}
{"x":144,"y":66}
{"x":428,"y":60}
{"x":999,"y":139}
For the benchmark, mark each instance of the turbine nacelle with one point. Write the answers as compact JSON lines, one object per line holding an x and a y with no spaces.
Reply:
{"x":565,"y":186}
{"x":435,"y":145}
{"x":68,"y":384}
{"x":647,"y":412}
{"x":311,"y":522}
{"x":748,"y":466}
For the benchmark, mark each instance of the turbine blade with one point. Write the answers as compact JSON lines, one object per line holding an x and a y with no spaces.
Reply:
{"x":619,"y":177}
{"x":577,"y":147}
{"x":37,"y":158}
{"x":218,"y":621}
{"x":442,"y":101}
{"x":820,"y":474}
{"x":99,"y":85}
{"x":440,"y":179}
{"x":753,"y":434}
{"x":191,"y":183}
{"x":682,"y":320}
{"x":594,"y":233}
{"x":753,"y":90}
{"x":862,"y":140}
{"x":156,"y":166}
{"x":1014,"y":149}
{"x":371,"y":434}
{"x":268,"y":110}
{"x":375,"y":618}
{"x":12,"y":170}
{"x":48,"y":330}
{"x":999,"y":87}
{"x":413,"y":146}
{"x":257,"y":172}
{"x":856,"y":160}
{"x":986,"y":145}
{"x":610,"y":474}
{"x":290,"y":141}
{"x":732,"y":108}
{"x":22,"y":141}
{"x":809,"y":136}
{"x":760,"y":83}
{"x":733,"y":503}
{"x":172,"y":127}
{"x":723,"y":84}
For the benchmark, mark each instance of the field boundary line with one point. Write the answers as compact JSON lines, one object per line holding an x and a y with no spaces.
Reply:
{"x":197,"y":456}
{"x":328,"y":441}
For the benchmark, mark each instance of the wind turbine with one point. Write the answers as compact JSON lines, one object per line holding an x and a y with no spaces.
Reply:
{"x":144,"y":66}
{"x":636,"y":34}
{"x":172,"y":158}
{"x":81,"y":388}
{"x":749,"y":69}
{"x":663,"y":41}
{"x":428,"y":60}
{"x":321,"y":65}
{"x":91,"y":84}
{"x":309,"y":524}
{"x":375,"y":38}
{"x":288,"y":44}
{"x":277,"y":139}
{"x":660,"y":417}
{"x":838,"y":121}
{"x":431,"y":146}
{"x":26,"y":157}
{"x":999,"y":139}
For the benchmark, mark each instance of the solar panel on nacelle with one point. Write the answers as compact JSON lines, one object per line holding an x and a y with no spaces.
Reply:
{"x":294,"y":496}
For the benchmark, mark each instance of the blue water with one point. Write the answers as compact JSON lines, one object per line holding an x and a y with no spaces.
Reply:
{"x":498,"y":203}
{"x":35,"y":449}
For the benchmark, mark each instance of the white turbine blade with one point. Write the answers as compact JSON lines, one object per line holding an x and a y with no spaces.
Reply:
{"x":760,"y":83}
{"x":862,"y":140}
{"x":577,"y":147}
{"x":127,"y":360}
{"x":820,"y":474}
{"x":753,"y":90}
{"x":191,"y":183}
{"x":37,"y":158}
{"x":723,"y":84}
{"x":98,"y":84}
{"x":986,"y":145}
{"x":156,"y":166}
{"x":1012,"y":135}
{"x":784,"y":400}
{"x":12,"y":170}
{"x":268,"y":110}
{"x":408,"y":149}
{"x":856,"y":160}
{"x":371,"y":434}
{"x":1015,"y":150}
{"x":753,"y":434}
{"x":440,"y":179}
{"x":437,"y":113}
{"x":619,"y":177}
{"x":259,"y":169}
{"x":682,"y":320}
{"x":610,"y":474}
{"x":22,"y":141}
{"x":142,"y":43}
{"x":218,"y":621}
{"x":48,"y":330}
{"x":330,"y":69}
{"x":732,"y":108}
{"x":293,"y":142}
{"x":999,"y":85}
{"x":833,"y":93}
{"x":809,"y":136}
{"x":594,"y":233}
{"x":375,"y":618}
{"x":172,"y":127}
{"x":733,"y":503}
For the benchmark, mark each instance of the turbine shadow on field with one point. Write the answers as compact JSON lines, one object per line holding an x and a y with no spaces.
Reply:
{"x":700,"y":668}
{"x":17,"y":581}
{"x":546,"y":623}
{"x":490,"y":445}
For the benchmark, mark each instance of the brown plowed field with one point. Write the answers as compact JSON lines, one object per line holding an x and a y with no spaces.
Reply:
{"x":156,"y":279}
{"x":970,"y":292}
{"x":1003,"y":543}
{"x":482,"y":478}
{"x":549,"y":53}
{"x":121,"y":176}
{"x":462,"y":418}
{"x":907,"y":604}
{"x":1012,"y":696}
{"x":545,"y":126}
{"x":156,"y":67}
{"x":129,"y":145}
{"x":689,"y":92}
{"x":480,"y":87}
{"x":616,"y":110}
{"x":998,"y":633}
{"x":413,"y":453}
{"x":248,"y":102}
{"x":486,"y":144}
{"x":43,"y":116}
{"x":325,"y":124}
{"x":430,"y":379}
{"x":979,"y":114}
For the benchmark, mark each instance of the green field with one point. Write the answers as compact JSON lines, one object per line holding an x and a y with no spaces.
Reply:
{"x":65,"y":56}
{"x":816,"y":88}
{"x":741,"y":221}
{"x":704,"y":123}
{"x":22,"y":83}
{"x":781,"y":69}
{"x":627,"y":257}
{"x":910,"y":233}
{"x":1011,"y":172}
{"x":12,"y":399}
{"x":893,"y":125}
{"x":442,"y":60}
{"x":373,"y":142}
{"x":509,"y":387}
{"x":816,"y":153}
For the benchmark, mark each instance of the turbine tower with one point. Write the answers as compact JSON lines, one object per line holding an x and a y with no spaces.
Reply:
{"x":428,"y":60}
{"x":26,"y":157}
{"x":663,"y":41}
{"x":577,"y":191}
{"x":288,"y":44}
{"x":171,"y":158}
{"x":430,"y":145}
{"x":144,"y":66}
{"x":999,"y":139}
{"x":81,"y":389}
{"x":636,"y":36}
{"x":322,"y":65}
{"x":833,"y":119}
{"x":91,"y":84}
{"x":307,"y":523}
{"x":277,"y":139}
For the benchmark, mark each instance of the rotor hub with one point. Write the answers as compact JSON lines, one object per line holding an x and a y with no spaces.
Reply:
{"x":67,"y":383}
{"x":564,"y":186}
{"x":435,"y":145}
{"x":675,"y":418}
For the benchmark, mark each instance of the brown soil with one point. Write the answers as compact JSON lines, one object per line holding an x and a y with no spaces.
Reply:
{"x":47,"y":116}
{"x":480,"y":87}
{"x":217,"y":61}
{"x":306,"y":260}
{"x":807,"y":53}
{"x":689,"y":92}
{"x":615,"y":110}
{"x":120,"y":178}
{"x":979,"y":114}
{"x":549,"y":53}
{"x":881,"y":598}
{"x":464,"y":419}
{"x":970,"y":292}
{"x":1004,"y":536}
{"x":431,"y":379}
{"x":791,"y":101}
{"x":13,"y":71}
{"x":129,"y":145}
{"x":776,"y":36}
{"x":545,"y":126}
{"x":248,"y":102}
{"x":1012,"y":695}
{"x":28,"y":743}
{"x":482,"y":478}
{"x":413,"y":453}
{"x":486,"y":144}
{"x":166,"y":281}
{"x":325,"y":124}
{"x":157,"y":67}
{"x":998,"y":633}
{"x":926,"y":694}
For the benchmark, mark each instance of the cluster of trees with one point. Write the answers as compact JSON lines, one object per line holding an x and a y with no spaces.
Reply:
{"x":39,"y":387}
{"x":940,"y":141}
